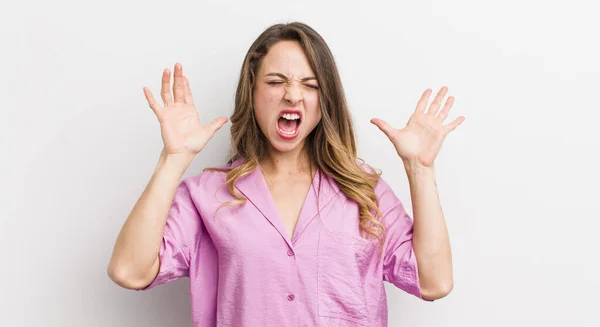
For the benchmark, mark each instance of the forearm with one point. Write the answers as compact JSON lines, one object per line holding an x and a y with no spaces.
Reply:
{"x":431,"y":242}
{"x":135,"y":254}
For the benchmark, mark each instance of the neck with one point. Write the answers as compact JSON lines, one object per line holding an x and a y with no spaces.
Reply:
{"x":292,"y":162}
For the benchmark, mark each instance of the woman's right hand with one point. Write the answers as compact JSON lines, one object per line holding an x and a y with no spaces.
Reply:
{"x":182,"y":132}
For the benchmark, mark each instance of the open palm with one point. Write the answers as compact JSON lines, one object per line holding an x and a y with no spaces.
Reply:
{"x":420,"y":141}
{"x":181,"y":129}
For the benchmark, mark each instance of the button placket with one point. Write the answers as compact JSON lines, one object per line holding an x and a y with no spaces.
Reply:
{"x":291,"y":296}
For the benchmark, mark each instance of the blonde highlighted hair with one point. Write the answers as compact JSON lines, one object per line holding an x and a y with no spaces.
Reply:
{"x":331,"y":146}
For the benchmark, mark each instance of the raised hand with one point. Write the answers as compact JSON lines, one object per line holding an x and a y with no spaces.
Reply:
{"x":182,"y":132}
{"x":419,"y":142}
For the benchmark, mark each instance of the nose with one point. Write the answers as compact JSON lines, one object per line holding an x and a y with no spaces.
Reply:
{"x":293,"y":93}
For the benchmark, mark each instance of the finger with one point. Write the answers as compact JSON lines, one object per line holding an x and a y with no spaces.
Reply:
{"x":435,"y":105}
{"x":178,"y":92}
{"x":152,"y":102}
{"x":422,"y":104}
{"x":451,"y":126}
{"x":188,"y":92}
{"x":216,"y":124}
{"x":165,"y":91}
{"x":444,"y":112}
{"x":383,"y":126}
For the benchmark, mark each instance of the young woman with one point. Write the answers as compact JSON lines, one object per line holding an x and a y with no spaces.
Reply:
{"x":294,"y":230}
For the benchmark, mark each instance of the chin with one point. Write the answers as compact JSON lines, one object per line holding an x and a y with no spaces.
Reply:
{"x":283,"y":145}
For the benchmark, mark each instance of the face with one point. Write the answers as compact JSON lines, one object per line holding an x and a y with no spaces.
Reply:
{"x":286,"y":97}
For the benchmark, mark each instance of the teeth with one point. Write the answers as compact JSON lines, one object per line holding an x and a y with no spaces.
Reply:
{"x":291,"y":116}
{"x":287,"y":133}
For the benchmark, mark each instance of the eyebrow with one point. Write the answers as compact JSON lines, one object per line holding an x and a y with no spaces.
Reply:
{"x":285,"y":77}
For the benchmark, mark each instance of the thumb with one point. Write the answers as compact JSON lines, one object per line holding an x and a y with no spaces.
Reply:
{"x":383,"y":126}
{"x":216,"y":124}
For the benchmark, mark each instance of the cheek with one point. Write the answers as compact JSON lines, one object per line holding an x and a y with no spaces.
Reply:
{"x":265,"y":104}
{"x":312,"y":103}
{"x":313,"y":109}
{"x":267,"y":96}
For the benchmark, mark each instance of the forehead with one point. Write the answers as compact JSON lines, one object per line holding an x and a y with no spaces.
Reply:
{"x":288,"y":58}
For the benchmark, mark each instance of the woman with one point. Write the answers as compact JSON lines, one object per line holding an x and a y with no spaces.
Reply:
{"x":294,"y":230}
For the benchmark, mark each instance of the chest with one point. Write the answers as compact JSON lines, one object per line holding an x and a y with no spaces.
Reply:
{"x":279,"y":215}
{"x":289,"y":196}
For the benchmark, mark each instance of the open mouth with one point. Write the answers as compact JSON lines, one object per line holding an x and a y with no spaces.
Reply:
{"x":288,"y":124}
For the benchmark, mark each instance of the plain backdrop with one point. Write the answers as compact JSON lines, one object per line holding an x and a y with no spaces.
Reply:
{"x":518,"y":180}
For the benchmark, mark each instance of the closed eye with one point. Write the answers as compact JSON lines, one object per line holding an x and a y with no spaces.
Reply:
{"x":315,"y":87}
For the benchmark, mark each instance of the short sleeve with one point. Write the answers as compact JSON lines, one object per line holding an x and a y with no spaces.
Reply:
{"x":399,"y":261}
{"x":183,"y":231}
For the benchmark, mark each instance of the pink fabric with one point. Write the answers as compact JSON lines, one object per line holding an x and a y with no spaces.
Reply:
{"x":245,"y":271}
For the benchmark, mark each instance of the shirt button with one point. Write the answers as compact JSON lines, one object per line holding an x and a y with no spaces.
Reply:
{"x":290,"y":253}
{"x":290,"y":297}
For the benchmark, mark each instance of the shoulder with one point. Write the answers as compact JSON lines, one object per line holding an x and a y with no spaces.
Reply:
{"x":381,"y":186}
{"x":383,"y":191}
{"x":211,"y":178}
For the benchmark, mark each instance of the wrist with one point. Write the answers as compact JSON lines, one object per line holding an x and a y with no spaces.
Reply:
{"x":414,"y":166}
{"x":175,"y":164}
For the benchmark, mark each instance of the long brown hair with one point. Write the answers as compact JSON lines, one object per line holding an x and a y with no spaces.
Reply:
{"x":331,"y":145}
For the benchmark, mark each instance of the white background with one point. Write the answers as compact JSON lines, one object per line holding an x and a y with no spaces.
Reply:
{"x":518,"y":179}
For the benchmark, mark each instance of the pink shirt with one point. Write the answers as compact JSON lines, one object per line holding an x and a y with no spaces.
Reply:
{"x":245,"y":271}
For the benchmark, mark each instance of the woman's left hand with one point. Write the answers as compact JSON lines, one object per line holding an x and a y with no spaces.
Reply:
{"x":419,"y":142}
